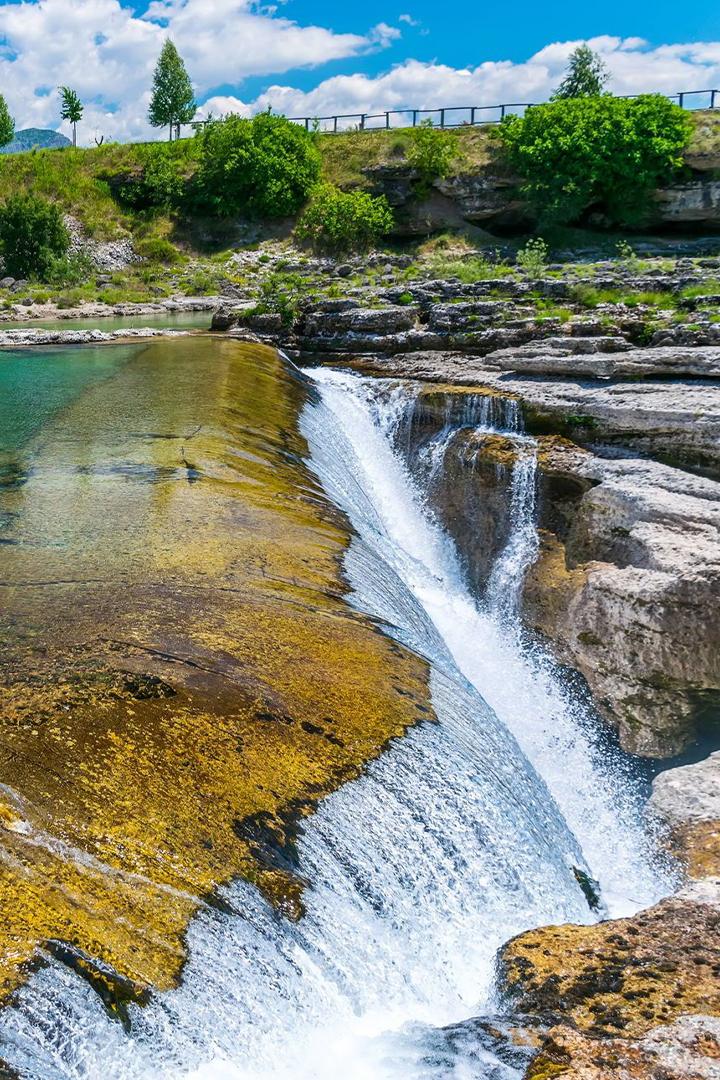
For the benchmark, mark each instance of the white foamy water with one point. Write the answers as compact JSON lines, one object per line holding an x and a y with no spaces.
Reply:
{"x":465,"y":832}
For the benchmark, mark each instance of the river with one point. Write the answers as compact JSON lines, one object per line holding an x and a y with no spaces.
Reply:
{"x":479,"y":822}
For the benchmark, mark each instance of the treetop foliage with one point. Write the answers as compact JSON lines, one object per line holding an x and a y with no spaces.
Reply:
{"x":71,"y":107}
{"x":586,"y":75}
{"x":7,"y":124}
{"x":596,"y":152}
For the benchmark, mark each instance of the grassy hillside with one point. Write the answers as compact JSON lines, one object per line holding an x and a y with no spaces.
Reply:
{"x":85,"y":181}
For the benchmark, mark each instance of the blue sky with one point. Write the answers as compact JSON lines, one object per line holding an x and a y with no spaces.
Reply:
{"x":312,"y":56}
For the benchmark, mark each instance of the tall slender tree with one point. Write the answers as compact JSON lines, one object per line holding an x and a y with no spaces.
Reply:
{"x":173,"y":101}
{"x":585,"y":77}
{"x":7,"y":124}
{"x":71,"y":108}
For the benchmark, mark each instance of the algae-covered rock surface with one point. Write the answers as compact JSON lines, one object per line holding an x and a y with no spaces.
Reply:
{"x":181,"y":676}
{"x":626,"y":976}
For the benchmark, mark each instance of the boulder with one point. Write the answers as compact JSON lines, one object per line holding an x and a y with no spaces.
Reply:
{"x":688,"y":1049}
{"x":688,"y":799}
{"x":626,"y":587}
{"x":624,"y":976}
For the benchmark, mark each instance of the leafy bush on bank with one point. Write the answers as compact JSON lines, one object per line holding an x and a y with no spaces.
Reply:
{"x":338,"y":221}
{"x":431,"y":152}
{"x":266,"y":166}
{"x":603,"y":152}
{"x":33,"y":237}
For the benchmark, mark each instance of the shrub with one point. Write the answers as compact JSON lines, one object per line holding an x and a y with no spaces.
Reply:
{"x":157,"y":249}
{"x":280,"y":294}
{"x":338,"y":221}
{"x":32,"y":236}
{"x":533,"y":257}
{"x":266,"y":166}
{"x":596,"y":151}
{"x":74,"y":269}
{"x":158,"y":184}
{"x":431,"y":152}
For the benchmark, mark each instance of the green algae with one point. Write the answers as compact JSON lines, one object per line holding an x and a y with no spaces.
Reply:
{"x":179,"y":664}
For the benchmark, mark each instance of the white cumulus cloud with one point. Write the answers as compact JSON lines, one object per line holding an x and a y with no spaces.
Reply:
{"x":107,"y":52}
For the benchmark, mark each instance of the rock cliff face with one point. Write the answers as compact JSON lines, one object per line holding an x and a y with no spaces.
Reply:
{"x":489,"y":197}
{"x":627,"y":587}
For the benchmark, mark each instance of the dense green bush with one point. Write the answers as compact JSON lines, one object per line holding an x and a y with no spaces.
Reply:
{"x":32,"y":236}
{"x":266,"y":166}
{"x":157,"y":249}
{"x":603,"y":152}
{"x":431,"y":152}
{"x":158,"y":184}
{"x":338,"y":221}
{"x":73,"y":269}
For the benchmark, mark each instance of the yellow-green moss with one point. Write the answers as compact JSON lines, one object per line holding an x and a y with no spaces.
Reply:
{"x":178,"y":661}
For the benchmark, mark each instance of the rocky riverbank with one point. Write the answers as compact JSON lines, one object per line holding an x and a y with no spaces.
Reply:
{"x":615,"y":367}
{"x":616,"y":372}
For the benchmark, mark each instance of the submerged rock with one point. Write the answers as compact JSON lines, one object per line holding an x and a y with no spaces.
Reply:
{"x":180,"y":672}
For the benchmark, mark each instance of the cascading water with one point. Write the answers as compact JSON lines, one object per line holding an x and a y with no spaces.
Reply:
{"x":464,"y":833}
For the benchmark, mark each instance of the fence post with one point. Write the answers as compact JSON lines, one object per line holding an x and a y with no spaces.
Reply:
{"x":335,"y":120}
{"x":712,"y":98}
{"x":307,"y":123}
{"x":414,"y":117}
{"x":442,"y":118}
{"x":502,"y":112}
{"x":681,"y":98}
{"x":472,"y":116}
{"x":387,"y":119}
{"x":362,"y":121}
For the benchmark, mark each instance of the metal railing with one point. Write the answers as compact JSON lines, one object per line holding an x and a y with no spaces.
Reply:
{"x":464,"y":116}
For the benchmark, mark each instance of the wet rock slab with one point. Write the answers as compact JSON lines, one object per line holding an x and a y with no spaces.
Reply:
{"x":179,"y":670}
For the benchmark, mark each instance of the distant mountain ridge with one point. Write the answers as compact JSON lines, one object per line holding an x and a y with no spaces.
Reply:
{"x":31,"y":138}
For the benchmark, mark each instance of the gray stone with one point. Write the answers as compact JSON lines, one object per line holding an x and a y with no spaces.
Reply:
{"x":690,"y":793}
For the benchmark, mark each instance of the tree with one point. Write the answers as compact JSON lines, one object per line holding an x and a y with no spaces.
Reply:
{"x":585,"y":77}
{"x":33,"y":236}
{"x":173,"y":101}
{"x":71,"y":108}
{"x":7,"y":124}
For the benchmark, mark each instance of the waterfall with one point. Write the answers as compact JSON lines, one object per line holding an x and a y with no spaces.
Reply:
{"x":465,"y":832}
{"x":508,"y":574}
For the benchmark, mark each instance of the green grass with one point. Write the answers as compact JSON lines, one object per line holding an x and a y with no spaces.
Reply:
{"x":589,"y":297}
{"x":346,"y":155}
{"x":80,"y":181}
{"x":468,"y":271}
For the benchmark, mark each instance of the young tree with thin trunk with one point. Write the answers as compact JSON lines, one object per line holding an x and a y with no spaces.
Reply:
{"x":585,"y":77}
{"x":7,"y":124}
{"x":173,"y":101}
{"x":71,"y":109}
